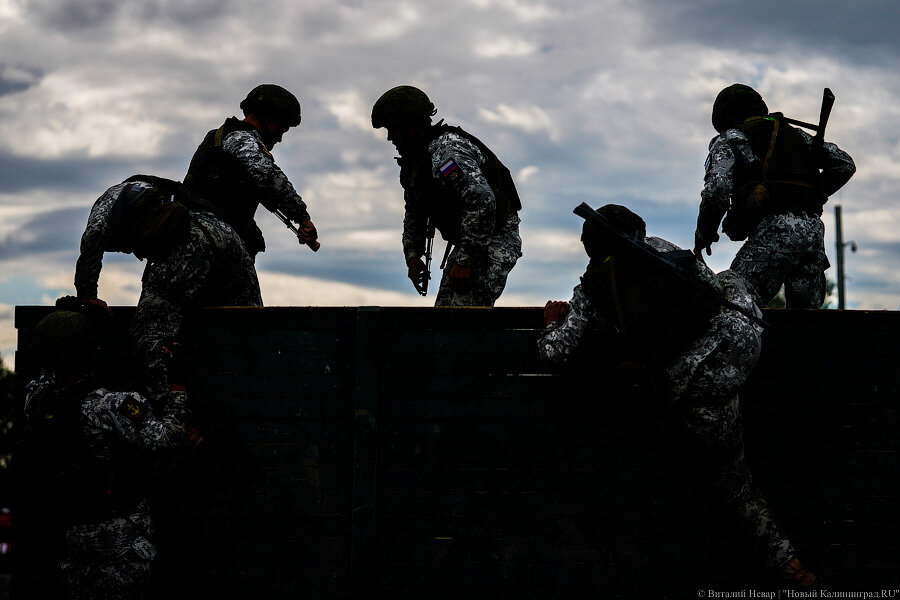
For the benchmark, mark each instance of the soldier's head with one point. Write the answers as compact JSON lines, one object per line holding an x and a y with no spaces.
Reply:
{"x":405,"y":112}
{"x":735,"y":104}
{"x":596,"y":242}
{"x":272,"y":110}
{"x":63,"y":341}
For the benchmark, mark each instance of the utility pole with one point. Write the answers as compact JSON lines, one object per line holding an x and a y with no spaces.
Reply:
{"x":842,"y":294}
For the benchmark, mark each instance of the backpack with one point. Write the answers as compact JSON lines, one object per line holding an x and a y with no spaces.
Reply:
{"x":148,"y":221}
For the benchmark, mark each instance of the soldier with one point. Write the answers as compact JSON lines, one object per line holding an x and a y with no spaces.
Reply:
{"x":207,"y":267}
{"x":233,"y":169}
{"x":766,"y":175}
{"x":86,"y":453}
{"x":453,"y":183}
{"x":698,"y":354}
{"x":135,"y":216}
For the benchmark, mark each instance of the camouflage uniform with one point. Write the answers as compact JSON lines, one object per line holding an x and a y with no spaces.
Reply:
{"x":209,"y":267}
{"x":108,"y":553}
{"x":245,"y":178}
{"x":784,"y":248}
{"x":703,"y":381}
{"x":456,"y":165}
{"x":98,"y":238}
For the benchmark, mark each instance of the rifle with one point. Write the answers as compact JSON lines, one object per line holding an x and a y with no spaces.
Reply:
{"x":824,"y":113}
{"x":429,"y":244}
{"x":622,"y":242}
{"x":819,"y":139}
{"x":313,"y":244}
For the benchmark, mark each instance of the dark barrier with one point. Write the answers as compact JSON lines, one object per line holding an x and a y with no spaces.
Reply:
{"x":427,"y":453}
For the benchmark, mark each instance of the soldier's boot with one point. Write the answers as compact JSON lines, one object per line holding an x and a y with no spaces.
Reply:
{"x":798,"y":576}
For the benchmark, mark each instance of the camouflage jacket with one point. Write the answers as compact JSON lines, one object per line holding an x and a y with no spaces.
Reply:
{"x":107,"y":418}
{"x":456,"y":165}
{"x":271,"y":186}
{"x":560,"y":340}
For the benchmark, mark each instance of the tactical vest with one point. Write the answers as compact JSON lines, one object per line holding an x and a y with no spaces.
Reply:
{"x":657,"y":316}
{"x":219,"y":180}
{"x":84,"y":488}
{"x":445,"y":209}
{"x":783,"y":179}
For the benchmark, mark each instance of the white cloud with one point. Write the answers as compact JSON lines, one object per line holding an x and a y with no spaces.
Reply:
{"x":497,"y":47}
{"x":352,"y":111}
{"x":294,"y":290}
{"x":527,"y":173}
{"x":527,"y":118}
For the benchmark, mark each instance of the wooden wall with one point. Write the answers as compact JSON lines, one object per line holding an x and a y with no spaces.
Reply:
{"x":427,"y":453}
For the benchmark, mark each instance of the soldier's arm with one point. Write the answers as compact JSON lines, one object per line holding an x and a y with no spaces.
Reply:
{"x":132,"y":418}
{"x":414,"y":228}
{"x":837,"y":166}
{"x":94,"y":241}
{"x":457,"y":167}
{"x":275,"y":190}
{"x":559,"y":340}
{"x":715,"y":198}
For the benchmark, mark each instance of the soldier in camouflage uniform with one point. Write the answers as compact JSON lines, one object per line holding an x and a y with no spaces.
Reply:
{"x":452,"y":183}
{"x":207,"y":267}
{"x":234,"y":172}
{"x":99,"y":237}
{"x":90,"y":447}
{"x":786,"y":243}
{"x":699,"y":371}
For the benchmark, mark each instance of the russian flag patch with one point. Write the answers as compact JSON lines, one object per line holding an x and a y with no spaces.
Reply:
{"x":448,"y":168}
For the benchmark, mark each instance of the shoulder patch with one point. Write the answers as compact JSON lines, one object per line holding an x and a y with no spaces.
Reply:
{"x":708,"y":162}
{"x":133,"y":409}
{"x":449,"y":169}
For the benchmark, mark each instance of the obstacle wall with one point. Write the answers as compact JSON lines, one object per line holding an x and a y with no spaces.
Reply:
{"x":428,"y":453}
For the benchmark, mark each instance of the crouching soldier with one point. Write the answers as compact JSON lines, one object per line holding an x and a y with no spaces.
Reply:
{"x":699,"y":352}
{"x":88,"y":449}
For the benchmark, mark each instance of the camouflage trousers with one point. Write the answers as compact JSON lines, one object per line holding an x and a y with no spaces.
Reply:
{"x":711,"y":413}
{"x":785,"y":249}
{"x":488,"y":277}
{"x":110,"y":559}
{"x":209,"y":267}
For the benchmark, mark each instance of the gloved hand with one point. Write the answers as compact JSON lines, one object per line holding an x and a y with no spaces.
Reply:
{"x":308,"y":235}
{"x":417,"y":273}
{"x":460,"y":278}
{"x":555,"y":311}
{"x":702,"y":242}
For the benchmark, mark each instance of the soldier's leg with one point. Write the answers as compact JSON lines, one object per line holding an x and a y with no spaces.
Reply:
{"x":805,"y":284}
{"x":108,"y":559}
{"x":488,"y":278}
{"x":233,"y":281}
{"x":170,"y":285}
{"x":717,"y":433}
{"x":759,"y":262}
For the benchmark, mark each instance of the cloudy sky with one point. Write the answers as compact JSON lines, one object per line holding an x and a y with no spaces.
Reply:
{"x":596,"y":101}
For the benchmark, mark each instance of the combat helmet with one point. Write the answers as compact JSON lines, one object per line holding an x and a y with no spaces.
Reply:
{"x":595,"y":241}
{"x":735,"y":104}
{"x":401,"y":104}
{"x":63,"y":335}
{"x":274,"y":101}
